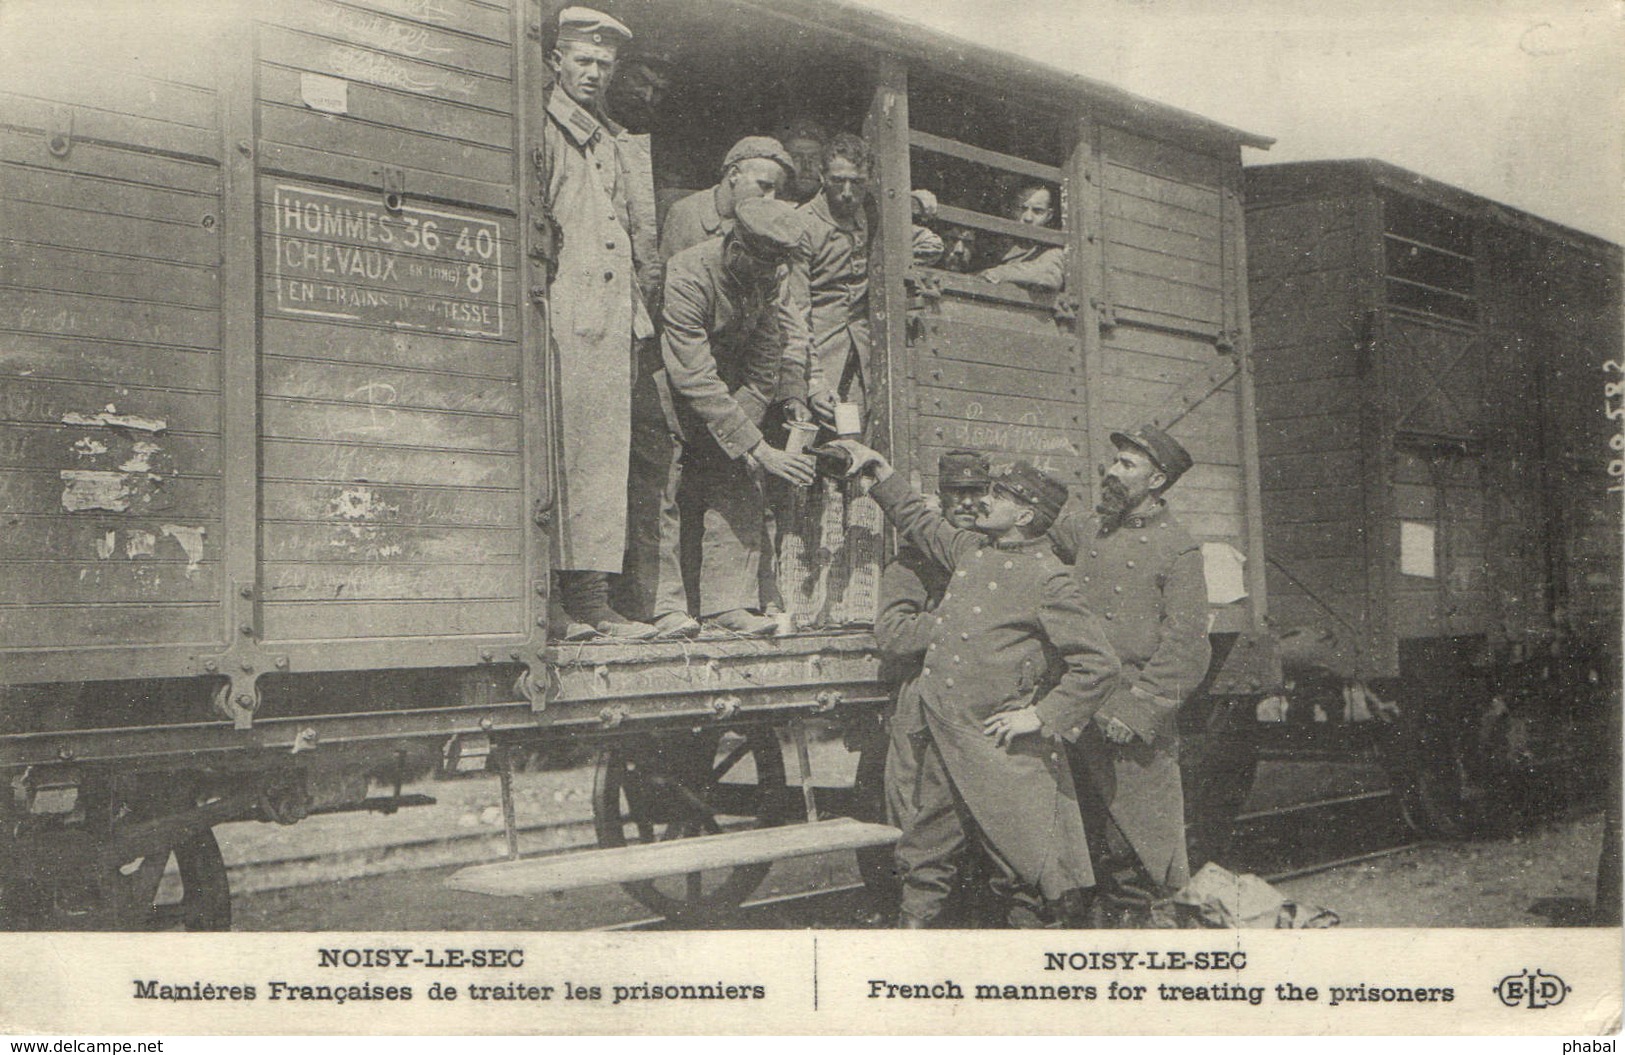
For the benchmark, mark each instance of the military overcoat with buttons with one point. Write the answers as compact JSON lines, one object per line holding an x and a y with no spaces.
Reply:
{"x":1011,"y":631}
{"x":1144,"y":578}
{"x":595,"y":311}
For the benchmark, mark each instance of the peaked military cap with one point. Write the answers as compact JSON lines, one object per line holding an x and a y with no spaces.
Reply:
{"x":586,"y":26}
{"x":1164,"y":451}
{"x":771,"y":228}
{"x":962,"y":469}
{"x":1027,"y":483}
{"x":759,"y":147}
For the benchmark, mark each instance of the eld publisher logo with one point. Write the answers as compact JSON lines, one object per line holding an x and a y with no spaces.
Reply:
{"x":1532,"y":989}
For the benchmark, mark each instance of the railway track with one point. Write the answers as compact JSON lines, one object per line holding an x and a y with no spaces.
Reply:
{"x":846,"y":905}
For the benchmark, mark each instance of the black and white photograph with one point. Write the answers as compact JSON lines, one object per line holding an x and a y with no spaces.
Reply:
{"x":818,"y":467}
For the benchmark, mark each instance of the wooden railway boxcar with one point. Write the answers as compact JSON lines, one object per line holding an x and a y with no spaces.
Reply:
{"x":274,"y":428}
{"x":1438,"y":412}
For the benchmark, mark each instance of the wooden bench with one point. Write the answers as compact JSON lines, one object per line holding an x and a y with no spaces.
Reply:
{"x":626,"y":864}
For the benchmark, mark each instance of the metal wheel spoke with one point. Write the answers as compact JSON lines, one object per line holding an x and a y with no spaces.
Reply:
{"x":732,"y":759}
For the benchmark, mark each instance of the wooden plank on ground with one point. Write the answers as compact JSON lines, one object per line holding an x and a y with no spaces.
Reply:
{"x":679,"y":857}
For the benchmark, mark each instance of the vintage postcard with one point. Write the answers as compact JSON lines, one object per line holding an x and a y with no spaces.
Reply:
{"x":811,"y":516}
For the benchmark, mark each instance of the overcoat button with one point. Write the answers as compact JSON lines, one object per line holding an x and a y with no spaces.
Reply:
{"x":1117,"y":589}
{"x":990,"y":586}
{"x":925,"y":672}
{"x":949,"y":682}
{"x":1075,"y":731}
{"x":966,"y":637}
{"x":977,"y":609}
{"x":609,"y":245}
{"x":1007,"y":564}
{"x":1131,"y":564}
{"x":1094,"y":553}
{"x":932,"y":647}
{"x":963,"y":573}
{"x":609,"y":276}
{"x":1111,"y":615}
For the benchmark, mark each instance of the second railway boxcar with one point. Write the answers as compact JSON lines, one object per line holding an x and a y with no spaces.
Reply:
{"x":274,"y":433}
{"x":1437,"y":383}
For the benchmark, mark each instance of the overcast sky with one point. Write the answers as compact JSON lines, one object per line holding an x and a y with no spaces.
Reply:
{"x":1522,"y":101}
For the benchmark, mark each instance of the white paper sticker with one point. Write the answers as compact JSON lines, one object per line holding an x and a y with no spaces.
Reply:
{"x":1224,"y":567}
{"x":1416,"y":549}
{"x":330,"y":95}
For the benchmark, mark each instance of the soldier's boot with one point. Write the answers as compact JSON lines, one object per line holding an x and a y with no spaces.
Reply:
{"x":585,"y":595}
{"x":1075,"y":909}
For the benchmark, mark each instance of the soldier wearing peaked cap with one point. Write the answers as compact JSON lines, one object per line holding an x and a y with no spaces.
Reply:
{"x":1014,"y":663}
{"x":911,"y":587}
{"x":727,"y":362}
{"x":754,"y":167}
{"x":1139,"y":568}
{"x":600,"y":200}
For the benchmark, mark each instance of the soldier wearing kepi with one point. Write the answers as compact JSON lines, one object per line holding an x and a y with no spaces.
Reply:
{"x":727,"y":363}
{"x":1142,"y":572}
{"x":596,"y":310}
{"x":1015,"y":664}
{"x":911,"y":587}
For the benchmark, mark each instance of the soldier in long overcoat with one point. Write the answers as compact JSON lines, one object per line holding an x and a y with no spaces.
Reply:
{"x":1142,"y":572}
{"x":911,"y":587}
{"x":1014,"y":666}
{"x":600,"y":196}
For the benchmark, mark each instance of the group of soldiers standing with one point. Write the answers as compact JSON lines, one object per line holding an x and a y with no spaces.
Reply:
{"x":1026,"y":644}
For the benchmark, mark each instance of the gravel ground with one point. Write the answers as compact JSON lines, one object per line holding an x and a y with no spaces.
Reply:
{"x":1542,"y":876}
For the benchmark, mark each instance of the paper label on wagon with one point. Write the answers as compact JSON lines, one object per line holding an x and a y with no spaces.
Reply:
{"x":346,"y":256}
{"x":330,"y":95}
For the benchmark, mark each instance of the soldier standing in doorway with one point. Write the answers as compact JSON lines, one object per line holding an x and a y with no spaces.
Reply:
{"x":1141,"y":571}
{"x":596,"y":311}
{"x":727,"y":363}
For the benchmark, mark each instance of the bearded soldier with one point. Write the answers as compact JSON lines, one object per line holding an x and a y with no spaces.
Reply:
{"x":1141,"y":571}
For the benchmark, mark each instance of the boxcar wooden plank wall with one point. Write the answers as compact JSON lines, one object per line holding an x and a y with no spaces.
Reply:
{"x":110,"y":396}
{"x":1433,"y":411}
{"x":392,"y":460}
{"x":1304,"y":278}
{"x":1170,"y":290}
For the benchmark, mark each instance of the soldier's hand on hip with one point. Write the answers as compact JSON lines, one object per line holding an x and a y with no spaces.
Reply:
{"x":1007,"y":725}
{"x":1115,"y":731}
{"x":796,"y":468}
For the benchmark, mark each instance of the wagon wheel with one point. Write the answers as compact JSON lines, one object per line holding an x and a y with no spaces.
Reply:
{"x":679,"y":786}
{"x":1424,"y":766}
{"x":142,"y":894}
